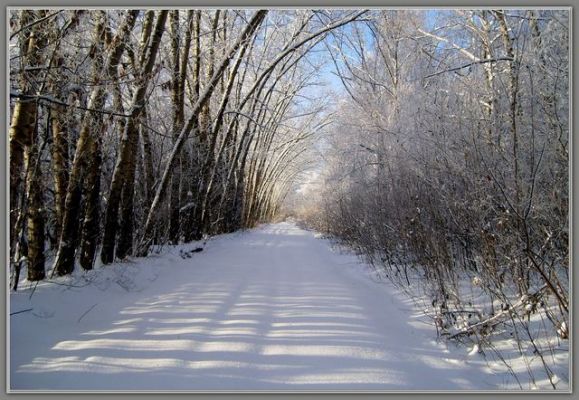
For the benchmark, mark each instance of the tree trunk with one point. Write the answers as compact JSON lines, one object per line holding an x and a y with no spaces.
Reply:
{"x":91,"y":195}
{"x":177,"y":108}
{"x":489,"y":72}
{"x":125,"y":240}
{"x":513,"y":92}
{"x":190,"y":229}
{"x":147,"y":161}
{"x":64,"y":262}
{"x":36,"y":214}
{"x":124,"y":172}
{"x":209,"y":168}
{"x":59,"y":158}
{"x":24,"y":116}
{"x":249,"y":31}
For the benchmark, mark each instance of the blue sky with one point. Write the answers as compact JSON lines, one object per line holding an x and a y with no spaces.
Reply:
{"x":328,"y":71}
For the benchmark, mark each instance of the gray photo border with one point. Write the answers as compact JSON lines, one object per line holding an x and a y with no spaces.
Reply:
{"x":272,"y":4}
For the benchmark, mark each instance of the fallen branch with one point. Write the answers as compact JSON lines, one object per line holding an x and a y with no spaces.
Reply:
{"x":498,"y":318}
{"x":21,"y":311}
{"x":478,"y":313}
{"x":86,"y":312}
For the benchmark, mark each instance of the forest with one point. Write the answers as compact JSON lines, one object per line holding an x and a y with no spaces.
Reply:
{"x":448,"y":166}
{"x":131,"y":128}
{"x":434,"y":144}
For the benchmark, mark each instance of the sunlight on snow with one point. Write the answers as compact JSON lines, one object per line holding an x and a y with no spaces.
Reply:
{"x":293,"y":323}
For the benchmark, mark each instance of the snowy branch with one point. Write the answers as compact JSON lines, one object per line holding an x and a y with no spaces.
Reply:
{"x":490,"y":60}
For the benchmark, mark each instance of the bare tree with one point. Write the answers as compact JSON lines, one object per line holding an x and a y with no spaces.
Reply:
{"x":64,"y":262}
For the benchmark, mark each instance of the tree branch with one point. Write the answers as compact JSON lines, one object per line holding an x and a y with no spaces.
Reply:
{"x":489,"y":60}
{"x":52,"y":100}
{"x":30,"y":25}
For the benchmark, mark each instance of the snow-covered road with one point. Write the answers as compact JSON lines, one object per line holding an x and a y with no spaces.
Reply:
{"x":273,"y":308}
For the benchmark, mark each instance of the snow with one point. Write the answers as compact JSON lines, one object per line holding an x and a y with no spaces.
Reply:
{"x":273,"y":308}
